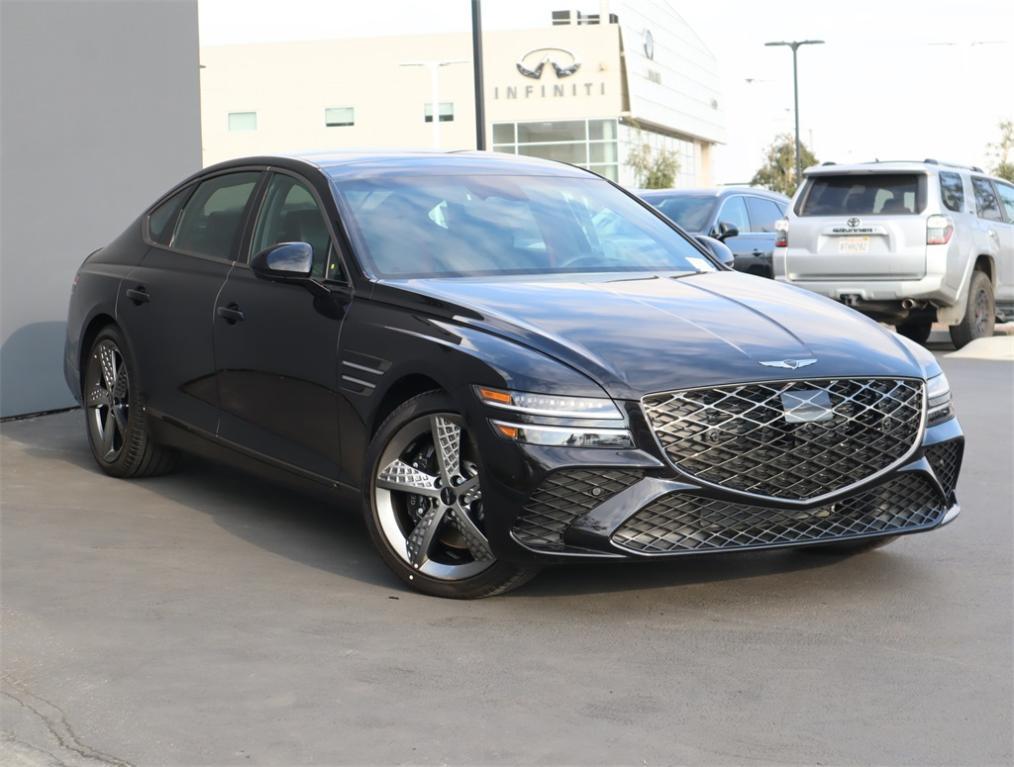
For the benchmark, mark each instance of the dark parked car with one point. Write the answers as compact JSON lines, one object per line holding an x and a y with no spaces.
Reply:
{"x":511,"y":362}
{"x":741,"y":217}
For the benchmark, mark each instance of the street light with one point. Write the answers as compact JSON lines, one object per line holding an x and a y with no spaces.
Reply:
{"x":794,"y":45}
{"x":434,"y":68}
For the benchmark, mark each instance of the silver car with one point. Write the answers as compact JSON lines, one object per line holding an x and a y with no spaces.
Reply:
{"x":908,"y":243}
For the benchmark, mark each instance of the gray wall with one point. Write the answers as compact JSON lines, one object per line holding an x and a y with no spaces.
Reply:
{"x":99,"y":113}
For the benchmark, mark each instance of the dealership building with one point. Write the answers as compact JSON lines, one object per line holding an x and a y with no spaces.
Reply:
{"x":584,"y":87}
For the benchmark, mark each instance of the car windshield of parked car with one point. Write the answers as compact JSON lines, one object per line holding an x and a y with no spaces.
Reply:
{"x":450,"y":225}
{"x":692,"y":212}
{"x":859,"y":194}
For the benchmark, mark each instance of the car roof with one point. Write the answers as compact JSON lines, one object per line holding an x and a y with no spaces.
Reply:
{"x":360,"y":163}
{"x":720,"y":191}
{"x":889,"y":166}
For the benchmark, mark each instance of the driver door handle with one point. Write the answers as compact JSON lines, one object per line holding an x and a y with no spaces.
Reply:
{"x":230,"y":313}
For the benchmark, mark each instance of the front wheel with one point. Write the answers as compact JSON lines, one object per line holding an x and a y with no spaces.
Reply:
{"x":980,"y":312}
{"x":423,"y":503}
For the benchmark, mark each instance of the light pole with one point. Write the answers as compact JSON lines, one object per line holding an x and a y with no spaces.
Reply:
{"x":794,"y":45}
{"x":434,"y":68}
{"x":480,"y":99}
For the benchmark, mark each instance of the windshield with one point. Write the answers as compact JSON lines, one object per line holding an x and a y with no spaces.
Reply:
{"x":427,"y":226}
{"x":864,"y":194}
{"x":689,"y":211}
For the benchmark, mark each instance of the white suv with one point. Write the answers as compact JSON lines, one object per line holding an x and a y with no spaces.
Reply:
{"x":908,"y":243}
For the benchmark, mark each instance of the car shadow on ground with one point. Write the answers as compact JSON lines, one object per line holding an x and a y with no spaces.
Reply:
{"x":293,"y":521}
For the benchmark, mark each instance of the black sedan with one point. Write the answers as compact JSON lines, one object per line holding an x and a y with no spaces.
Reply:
{"x":742,"y":218}
{"x":511,"y":362}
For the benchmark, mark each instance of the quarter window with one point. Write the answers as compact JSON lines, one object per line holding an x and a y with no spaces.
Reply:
{"x":290,"y":214}
{"x":337,"y":117}
{"x":986,"y":204}
{"x":734,"y":212}
{"x":952,"y":191}
{"x":763,"y":214}
{"x":213,"y":217}
{"x":163,"y":219}
{"x":1006,"y":192}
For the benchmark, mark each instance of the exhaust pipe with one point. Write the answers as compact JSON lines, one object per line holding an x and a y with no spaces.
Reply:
{"x":908,"y":303}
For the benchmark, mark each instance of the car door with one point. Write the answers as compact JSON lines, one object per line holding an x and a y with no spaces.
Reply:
{"x":166,"y":303}
{"x":1005,"y":256}
{"x":763,"y":214}
{"x":747,"y":247}
{"x":276,"y":343}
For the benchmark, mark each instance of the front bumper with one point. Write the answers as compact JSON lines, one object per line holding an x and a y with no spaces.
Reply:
{"x":560,"y":504}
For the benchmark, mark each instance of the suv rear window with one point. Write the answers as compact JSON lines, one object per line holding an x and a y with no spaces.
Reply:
{"x":864,"y":194}
{"x":952,"y":191}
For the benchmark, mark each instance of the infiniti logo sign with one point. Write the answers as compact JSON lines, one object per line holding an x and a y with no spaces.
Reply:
{"x":533,"y":63}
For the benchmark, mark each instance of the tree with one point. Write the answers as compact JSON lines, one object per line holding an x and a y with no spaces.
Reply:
{"x":1002,"y":151}
{"x":779,"y":170}
{"x":653,"y":168}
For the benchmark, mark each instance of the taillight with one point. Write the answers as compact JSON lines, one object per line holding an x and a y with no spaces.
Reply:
{"x":782,"y":233}
{"x":939,"y":230}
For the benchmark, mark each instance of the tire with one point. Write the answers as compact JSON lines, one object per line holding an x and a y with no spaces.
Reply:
{"x":847,"y":548}
{"x":980,"y":312}
{"x":115,"y":420}
{"x":413,"y":517}
{"x":916,"y":330}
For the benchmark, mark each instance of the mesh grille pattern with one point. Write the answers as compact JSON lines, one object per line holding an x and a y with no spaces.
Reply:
{"x":563,"y":497}
{"x":741,"y":437}
{"x":945,"y":458}
{"x":683,"y":522}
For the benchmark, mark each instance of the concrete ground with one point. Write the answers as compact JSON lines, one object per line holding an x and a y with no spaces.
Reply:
{"x":209,"y":618}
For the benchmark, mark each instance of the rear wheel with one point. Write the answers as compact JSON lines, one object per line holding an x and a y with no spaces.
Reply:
{"x":916,"y":330}
{"x":424,"y":507}
{"x":980,"y":312}
{"x":117,"y":425}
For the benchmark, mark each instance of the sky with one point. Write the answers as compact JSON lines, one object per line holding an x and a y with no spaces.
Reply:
{"x":895,"y":79}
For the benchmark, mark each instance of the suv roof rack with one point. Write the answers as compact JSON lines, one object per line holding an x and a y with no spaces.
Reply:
{"x":931,"y":161}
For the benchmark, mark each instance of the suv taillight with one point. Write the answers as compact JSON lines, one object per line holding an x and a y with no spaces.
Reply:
{"x":782,"y":233}
{"x":939,"y":230}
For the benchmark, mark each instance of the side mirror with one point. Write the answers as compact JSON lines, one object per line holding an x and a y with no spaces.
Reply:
{"x":284,"y":261}
{"x":726,"y":230}
{"x":718,"y":249}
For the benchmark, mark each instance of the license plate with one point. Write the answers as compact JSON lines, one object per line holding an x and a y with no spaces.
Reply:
{"x":854,"y":245}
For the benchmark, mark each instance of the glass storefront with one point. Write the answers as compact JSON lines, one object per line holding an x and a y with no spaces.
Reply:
{"x":588,"y":143}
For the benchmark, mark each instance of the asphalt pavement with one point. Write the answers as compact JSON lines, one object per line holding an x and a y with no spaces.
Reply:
{"x":210,"y":618}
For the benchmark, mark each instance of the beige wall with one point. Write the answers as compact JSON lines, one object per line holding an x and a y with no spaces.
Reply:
{"x":289,"y":85}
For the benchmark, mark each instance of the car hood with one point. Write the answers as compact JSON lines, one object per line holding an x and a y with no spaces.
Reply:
{"x":638,"y":334}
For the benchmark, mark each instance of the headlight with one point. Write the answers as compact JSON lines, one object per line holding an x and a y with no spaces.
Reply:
{"x":938,"y":399}
{"x":586,"y":413}
{"x":563,"y":436}
{"x":595,"y":408}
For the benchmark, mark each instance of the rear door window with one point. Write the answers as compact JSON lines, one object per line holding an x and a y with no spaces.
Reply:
{"x":952,"y":191}
{"x":763,"y":214}
{"x":212,"y":220}
{"x":1006,"y":192}
{"x":734,"y":212}
{"x":986,"y":204}
{"x":864,"y":194}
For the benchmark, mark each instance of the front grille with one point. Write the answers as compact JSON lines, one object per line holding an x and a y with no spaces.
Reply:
{"x":681,"y":522}
{"x":945,"y":458}
{"x":742,"y":438}
{"x":562,"y":498}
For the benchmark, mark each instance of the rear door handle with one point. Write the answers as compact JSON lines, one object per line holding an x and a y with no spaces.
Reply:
{"x":139,"y":295}
{"x":230,"y":313}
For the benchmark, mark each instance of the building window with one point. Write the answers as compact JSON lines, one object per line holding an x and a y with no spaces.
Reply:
{"x":588,"y":143}
{"x":446,"y":112}
{"x":337,"y":117}
{"x":239,"y":121}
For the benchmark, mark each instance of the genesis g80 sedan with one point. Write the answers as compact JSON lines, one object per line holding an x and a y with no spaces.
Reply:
{"x":511,"y":362}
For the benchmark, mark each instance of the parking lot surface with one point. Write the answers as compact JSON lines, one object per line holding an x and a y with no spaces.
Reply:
{"x":210,"y":618}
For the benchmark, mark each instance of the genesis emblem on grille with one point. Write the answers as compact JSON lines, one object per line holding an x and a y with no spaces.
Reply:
{"x":789,"y":364}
